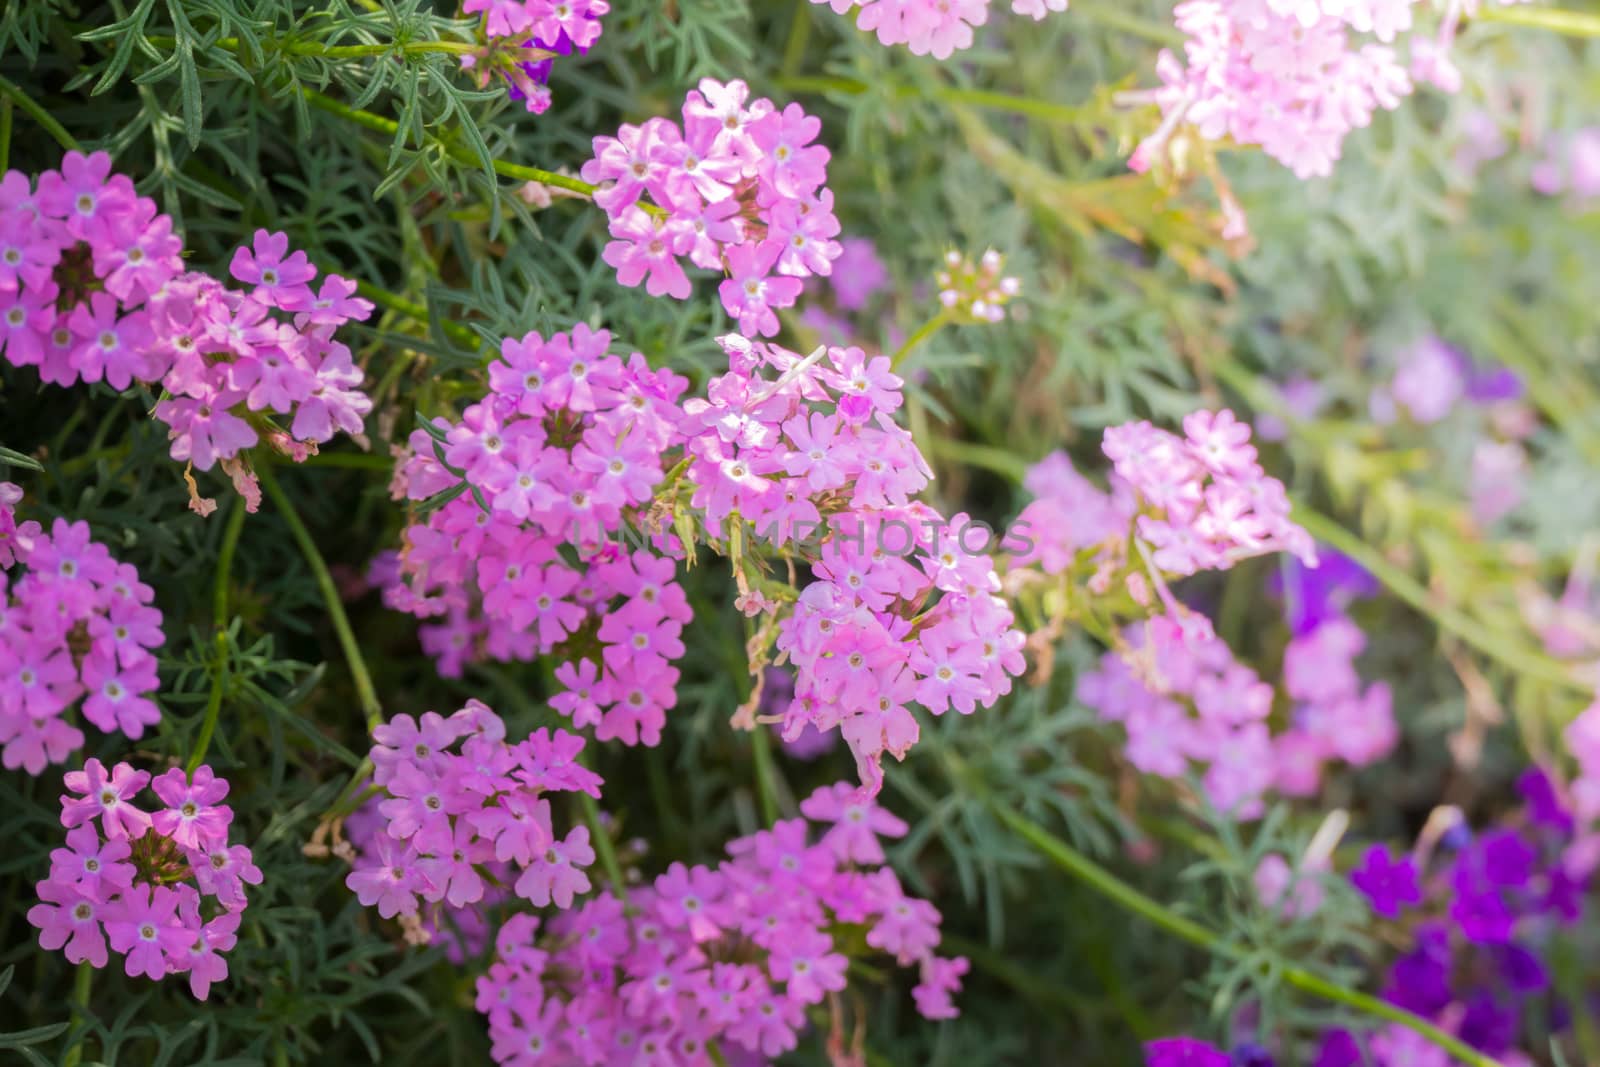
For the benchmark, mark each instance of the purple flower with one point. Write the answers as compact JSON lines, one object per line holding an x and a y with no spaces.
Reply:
{"x":1183,"y":1052}
{"x":1313,"y":595}
{"x":1544,"y":806}
{"x":1419,"y":981}
{"x":1482,"y":916}
{"x":1495,"y":383}
{"x":1507,"y":860}
{"x":1251,"y":1054}
{"x":1339,"y":1049}
{"x":1387,"y":883}
{"x":1489,"y":1024}
{"x":1521,"y":970}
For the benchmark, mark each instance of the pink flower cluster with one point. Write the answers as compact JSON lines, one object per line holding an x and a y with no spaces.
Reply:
{"x":814,"y":440}
{"x":76,"y":625}
{"x":1334,"y":716}
{"x":738,"y":188}
{"x":1282,"y":74}
{"x":978,"y":292}
{"x":1069,"y":514}
{"x":546,"y":20}
{"x":92,"y":288}
{"x":459,"y":798}
{"x":146,"y":881}
{"x":1184,"y":700}
{"x":937,"y":27}
{"x":564,"y":452}
{"x":524,"y":36}
{"x":904,"y":611}
{"x":731,"y":955}
{"x":1205,"y":501}
{"x":15,"y":538}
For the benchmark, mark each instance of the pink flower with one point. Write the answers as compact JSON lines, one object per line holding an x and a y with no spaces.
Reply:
{"x":106,"y":797}
{"x":223,"y":872}
{"x":1220,"y":442}
{"x":392,"y":881}
{"x":69,"y":919}
{"x":556,"y":877}
{"x":857,"y":823}
{"x":206,"y":966}
{"x":85,"y":195}
{"x":92,"y":866}
{"x":194,"y":816}
{"x":146,"y":928}
{"x":750,"y":294}
{"x":114,"y":702}
{"x":281,"y":278}
{"x":793,"y":165}
{"x":206,"y":430}
{"x":940,"y":979}
{"x":644,"y":251}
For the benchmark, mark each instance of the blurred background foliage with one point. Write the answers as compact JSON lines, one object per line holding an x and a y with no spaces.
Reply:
{"x":1133,"y":306}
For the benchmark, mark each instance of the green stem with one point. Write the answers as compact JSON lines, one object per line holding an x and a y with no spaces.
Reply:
{"x":460,"y":153}
{"x":1119,"y":892}
{"x":1575,"y":23}
{"x":1021,"y":105}
{"x":81,"y":985}
{"x":1114,"y":17}
{"x":351,"y":796}
{"x":7,"y":108}
{"x":350,"y":51}
{"x":1001,"y":461}
{"x":766,"y":773}
{"x":411,"y":309}
{"x":925,"y":331}
{"x":794,"y":49}
{"x":38,"y":114}
{"x":219,"y":622}
{"x":1449,"y":619}
{"x":603,"y":845}
{"x":370,"y":705}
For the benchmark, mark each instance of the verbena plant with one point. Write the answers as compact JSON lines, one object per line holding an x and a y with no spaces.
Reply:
{"x":860,"y":533}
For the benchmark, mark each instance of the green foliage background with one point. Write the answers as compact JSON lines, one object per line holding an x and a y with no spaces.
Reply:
{"x":1132,"y":308}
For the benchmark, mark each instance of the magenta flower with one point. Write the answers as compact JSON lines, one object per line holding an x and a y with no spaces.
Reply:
{"x":392,"y":881}
{"x":147,"y":930}
{"x":85,"y":195}
{"x":750,"y":294}
{"x":809,"y":966}
{"x":857,"y":823}
{"x":92,"y":866}
{"x":105,"y":797}
{"x":69,"y":919}
{"x":1388,"y":884}
{"x":277,"y":274}
{"x":194,"y":815}
{"x":223,"y":872}
{"x":644,"y":251}
{"x":206,"y":966}
{"x":1183,"y":1052}
{"x":557,"y":876}
{"x":793,"y":165}
{"x":110,"y":347}
{"x":858,"y":274}
{"x":114,"y":702}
